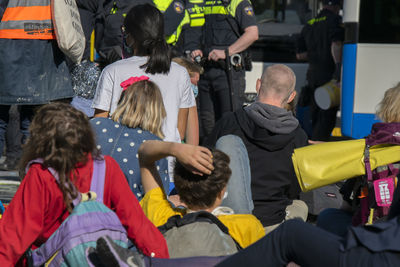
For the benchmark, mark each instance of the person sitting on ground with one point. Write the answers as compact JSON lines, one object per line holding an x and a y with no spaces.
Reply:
{"x":61,"y":136}
{"x":194,"y":70}
{"x":201,"y":177}
{"x":338,"y":221}
{"x":293,"y":241}
{"x":138,"y":118}
{"x":270,"y":133}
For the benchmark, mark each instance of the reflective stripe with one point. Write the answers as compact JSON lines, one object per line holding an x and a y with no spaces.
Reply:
{"x":197,"y":22}
{"x":212,"y":10}
{"x":27,"y":13}
{"x":20,"y":3}
{"x":26,"y":24}
{"x":312,"y":21}
{"x":196,"y":1}
{"x":46,"y":34}
{"x":194,"y":16}
{"x":162,"y":5}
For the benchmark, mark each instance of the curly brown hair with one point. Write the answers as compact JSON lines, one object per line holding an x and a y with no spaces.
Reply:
{"x":62,"y":136}
{"x":201,"y":192}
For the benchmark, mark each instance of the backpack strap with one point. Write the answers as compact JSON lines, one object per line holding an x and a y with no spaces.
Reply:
{"x":98,"y":178}
{"x":76,"y":200}
{"x":200,"y":216}
{"x":367,"y":163}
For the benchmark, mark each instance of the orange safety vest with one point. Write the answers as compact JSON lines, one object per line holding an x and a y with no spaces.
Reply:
{"x":27,"y":19}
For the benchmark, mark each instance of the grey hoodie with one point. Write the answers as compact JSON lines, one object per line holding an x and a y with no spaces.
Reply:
{"x":275,"y":119}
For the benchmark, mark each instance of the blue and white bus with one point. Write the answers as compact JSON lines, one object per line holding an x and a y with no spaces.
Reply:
{"x":371,"y":61}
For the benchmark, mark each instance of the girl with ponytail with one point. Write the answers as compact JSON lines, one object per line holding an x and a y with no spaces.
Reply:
{"x":144,"y":33}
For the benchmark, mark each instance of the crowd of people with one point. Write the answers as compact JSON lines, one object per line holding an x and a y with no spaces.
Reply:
{"x":232,"y":202}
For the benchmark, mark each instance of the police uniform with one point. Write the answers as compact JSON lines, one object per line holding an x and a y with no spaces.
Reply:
{"x":316,"y":39}
{"x":219,"y":33}
{"x":183,"y":22}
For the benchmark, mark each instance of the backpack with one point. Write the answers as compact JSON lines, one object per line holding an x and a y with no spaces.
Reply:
{"x":89,"y":220}
{"x":375,"y":189}
{"x":198,"y":234}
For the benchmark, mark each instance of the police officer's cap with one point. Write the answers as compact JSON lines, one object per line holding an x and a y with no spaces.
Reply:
{"x":332,"y":2}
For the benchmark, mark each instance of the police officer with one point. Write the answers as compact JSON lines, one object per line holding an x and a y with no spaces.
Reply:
{"x":183,"y":20}
{"x":321,"y":43}
{"x":230,"y":28}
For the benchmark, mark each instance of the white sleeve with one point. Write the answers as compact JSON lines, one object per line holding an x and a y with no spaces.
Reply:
{"x":103,"y":98}
{"x":185,"y":89}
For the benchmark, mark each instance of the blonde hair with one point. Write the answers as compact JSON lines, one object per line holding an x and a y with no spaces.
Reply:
{"x":141,"y":105}
{"x":190,"y":66}
{"x":389,"y":107}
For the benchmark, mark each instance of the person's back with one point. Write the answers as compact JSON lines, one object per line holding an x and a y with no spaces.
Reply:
{"x":270,"y":134}
{"x":199,"y":193}
{"x":62,"y":137}
{"x":138,"y":118}
{"x":318,"y":34}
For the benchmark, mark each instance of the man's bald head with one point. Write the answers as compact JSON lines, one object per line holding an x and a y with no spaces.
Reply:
{"x":277,"y":84}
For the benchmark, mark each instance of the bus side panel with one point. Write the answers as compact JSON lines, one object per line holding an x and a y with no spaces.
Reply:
{"x":348,"y":85}
{"x":362,"y":124}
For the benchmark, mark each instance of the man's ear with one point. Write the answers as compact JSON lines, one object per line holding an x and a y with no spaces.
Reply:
{"x":258,"y":86}
{"x":292,"y":96}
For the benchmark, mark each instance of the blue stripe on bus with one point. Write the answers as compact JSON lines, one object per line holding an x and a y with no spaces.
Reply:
{"x":362,"y":123}
{"x":348,"y":84}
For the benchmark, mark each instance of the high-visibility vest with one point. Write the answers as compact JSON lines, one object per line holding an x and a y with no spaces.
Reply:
{"x":216,"y":7}
{"x":194,"y":16}
{"x":27,"y":19}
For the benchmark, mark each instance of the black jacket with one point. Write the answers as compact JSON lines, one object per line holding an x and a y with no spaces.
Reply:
{"x":273,"y":181}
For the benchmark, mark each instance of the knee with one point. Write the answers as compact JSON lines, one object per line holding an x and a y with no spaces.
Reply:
{"x":229,"y":140}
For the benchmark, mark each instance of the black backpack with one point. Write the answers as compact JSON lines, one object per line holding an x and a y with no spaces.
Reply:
{"x":198,"y":234}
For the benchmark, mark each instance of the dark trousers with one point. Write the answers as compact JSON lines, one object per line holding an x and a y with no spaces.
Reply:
{"x":12,"y":141}
{"x":295,"y":241}
{"x":323,"y":122}
{"x":215,"y":95}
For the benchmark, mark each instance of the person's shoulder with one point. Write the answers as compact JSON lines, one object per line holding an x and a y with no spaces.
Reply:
{"x":242,"y":220}
{"x":177,"y":69}
{"x":244,"y":228}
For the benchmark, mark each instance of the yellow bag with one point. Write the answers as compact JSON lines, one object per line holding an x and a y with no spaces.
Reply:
{"x":327,"y":163}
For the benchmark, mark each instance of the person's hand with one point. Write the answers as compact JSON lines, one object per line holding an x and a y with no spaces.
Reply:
{"x":196,"y":159}
{"x":311,"y":142}
{"x":216,"y":54}
{"x":196,"y":53}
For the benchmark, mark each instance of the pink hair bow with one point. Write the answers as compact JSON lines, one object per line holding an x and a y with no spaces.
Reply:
{"x":125,"y":84}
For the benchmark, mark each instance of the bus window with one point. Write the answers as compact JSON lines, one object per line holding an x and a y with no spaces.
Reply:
{"x":379,"y":21}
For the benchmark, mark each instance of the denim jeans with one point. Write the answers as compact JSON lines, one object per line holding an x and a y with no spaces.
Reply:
{"x":239,"y":186}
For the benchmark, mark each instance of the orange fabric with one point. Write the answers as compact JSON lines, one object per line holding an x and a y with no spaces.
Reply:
{"x":21,"y":34}
{"x":27,"y":13}
{"x":30,"y":13}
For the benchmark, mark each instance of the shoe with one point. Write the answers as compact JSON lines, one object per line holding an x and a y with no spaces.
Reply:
{"x":10,"y":164}
{"x":114,"y":255}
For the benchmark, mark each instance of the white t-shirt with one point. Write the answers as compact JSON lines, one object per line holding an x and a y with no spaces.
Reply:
{"x":175,"y":89}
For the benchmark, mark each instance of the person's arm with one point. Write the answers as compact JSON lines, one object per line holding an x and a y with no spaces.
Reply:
{"x":336,"y":50}
{"x":195,"y":158}
{"x":183,"y":121}
{"x":139,"y":228}
{"x":249,"y":36}
{"x":23,"y":220}
{"x":98,"y":113}
{"x":192,"y":129}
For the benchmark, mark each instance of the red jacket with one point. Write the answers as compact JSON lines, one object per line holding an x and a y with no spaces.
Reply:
{"x":38,"y":209}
